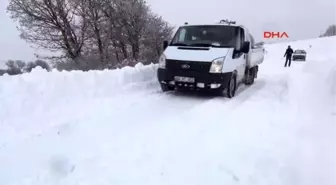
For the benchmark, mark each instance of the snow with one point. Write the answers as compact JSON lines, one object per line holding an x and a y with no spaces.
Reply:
{"x":116,"y":127}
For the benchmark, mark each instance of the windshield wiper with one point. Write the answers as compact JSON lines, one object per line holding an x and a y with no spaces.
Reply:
{"x":179,"y":44}
{"x":198,"y":44}
{"x":206,"y":45}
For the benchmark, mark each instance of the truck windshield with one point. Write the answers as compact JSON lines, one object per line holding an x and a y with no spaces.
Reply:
{"x":300,"y":51}
{"x":206,"y":36}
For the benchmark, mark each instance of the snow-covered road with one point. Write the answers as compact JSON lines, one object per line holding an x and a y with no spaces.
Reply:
{"x":116,"y":127}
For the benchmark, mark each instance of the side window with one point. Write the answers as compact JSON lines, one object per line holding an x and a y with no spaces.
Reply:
{"x":182,"y":34}
{"x":238,"y":38}
{"x":242,"y":37}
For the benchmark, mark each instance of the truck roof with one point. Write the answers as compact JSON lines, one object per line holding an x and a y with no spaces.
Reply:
{"x":213,"y":24}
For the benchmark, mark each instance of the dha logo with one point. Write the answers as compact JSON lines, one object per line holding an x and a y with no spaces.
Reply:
{"x":271,"y":35}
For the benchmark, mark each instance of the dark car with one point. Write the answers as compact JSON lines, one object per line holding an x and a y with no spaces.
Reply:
{"x":299,"y":55}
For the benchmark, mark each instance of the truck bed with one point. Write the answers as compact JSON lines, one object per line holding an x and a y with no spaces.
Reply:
{"x":256,"y":57}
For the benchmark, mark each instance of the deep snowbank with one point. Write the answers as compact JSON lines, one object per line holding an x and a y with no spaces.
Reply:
{"x":28,"y":98}
{"x":76,"y":83}
{"x":43,"y":86}
{"x":310,"y":93}
{"x":313,"y":101}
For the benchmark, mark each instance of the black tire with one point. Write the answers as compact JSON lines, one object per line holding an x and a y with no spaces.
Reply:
{"x":232,"y":87}
{"x":250,"y":76}
{"x":165,"y":88}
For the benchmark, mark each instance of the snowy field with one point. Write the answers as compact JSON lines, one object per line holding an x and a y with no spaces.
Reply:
{"x":117,"y":128}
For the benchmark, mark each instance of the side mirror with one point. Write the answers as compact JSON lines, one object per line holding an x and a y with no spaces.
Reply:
{"x":165,"y":44}
{"x":246,"y":47}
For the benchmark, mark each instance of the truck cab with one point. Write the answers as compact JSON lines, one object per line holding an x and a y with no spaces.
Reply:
{"x":215,"y":57}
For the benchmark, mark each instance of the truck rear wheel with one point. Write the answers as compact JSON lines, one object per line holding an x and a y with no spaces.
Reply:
{"x":250,"y":76}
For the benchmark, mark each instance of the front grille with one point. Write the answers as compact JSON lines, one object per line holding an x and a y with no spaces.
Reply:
{"x":192,"y":66}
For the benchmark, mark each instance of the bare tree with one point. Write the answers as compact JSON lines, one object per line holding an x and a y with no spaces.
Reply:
{"x":157,"y":30}
{"x":15,"y":67}
{"x":133,"y":16}
{"x":92,"y":34}
{"x":2,"y":72}
{"x":94,"y":16}
{"x":31,"y":65}
{"x":331,"y":31}
{"x":50,"y":24}
{"x":115,"y":30}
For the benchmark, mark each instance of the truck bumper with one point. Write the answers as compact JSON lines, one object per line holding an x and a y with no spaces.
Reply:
{"x":206,"y":82}
{"x":299,"y":57}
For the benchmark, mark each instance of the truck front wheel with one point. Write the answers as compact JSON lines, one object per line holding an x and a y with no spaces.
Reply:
{"x":165,"y":88}
{"x":232,"y":87}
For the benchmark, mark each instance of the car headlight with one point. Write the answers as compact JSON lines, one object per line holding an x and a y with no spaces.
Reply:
{"x":162,"y":61}
{"x":217,"y":65}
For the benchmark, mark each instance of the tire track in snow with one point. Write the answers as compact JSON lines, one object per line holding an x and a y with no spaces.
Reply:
{"x":171,"y":105}
{"x":223,"y":121}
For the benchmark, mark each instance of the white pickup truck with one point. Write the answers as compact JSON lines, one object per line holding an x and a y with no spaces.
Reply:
{"x":216,"y":57}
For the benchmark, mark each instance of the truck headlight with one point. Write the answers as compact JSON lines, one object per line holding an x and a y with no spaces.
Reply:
{"x":217,"y":65}
{"x":162,"y":61}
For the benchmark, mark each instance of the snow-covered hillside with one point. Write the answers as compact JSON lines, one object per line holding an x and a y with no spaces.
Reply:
{"x":116,"y":127}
